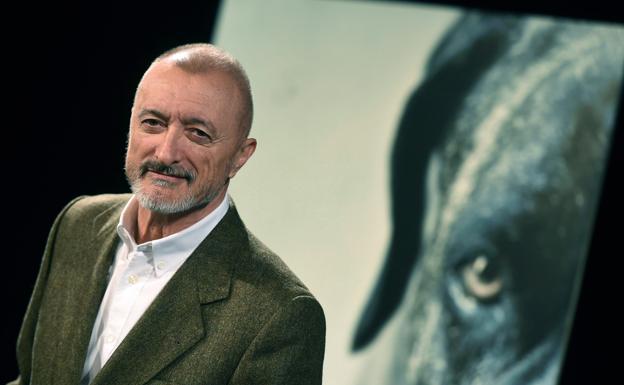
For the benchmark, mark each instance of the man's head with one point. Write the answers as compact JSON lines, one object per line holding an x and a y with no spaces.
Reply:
{"x":189,"y":129}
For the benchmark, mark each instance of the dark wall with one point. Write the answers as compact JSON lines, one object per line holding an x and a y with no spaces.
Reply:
{"x":70,"y":73}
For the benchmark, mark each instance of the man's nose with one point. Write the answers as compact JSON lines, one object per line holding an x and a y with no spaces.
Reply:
{"x":168,"y":150}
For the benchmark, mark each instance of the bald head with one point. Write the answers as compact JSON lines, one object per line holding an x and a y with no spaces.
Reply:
{"x":200,"y":58}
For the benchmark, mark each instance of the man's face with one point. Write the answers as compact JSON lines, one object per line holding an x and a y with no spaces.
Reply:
{"x":185,"y":140}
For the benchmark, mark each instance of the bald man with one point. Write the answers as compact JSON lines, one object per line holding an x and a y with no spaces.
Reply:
{"x":166,"y":285}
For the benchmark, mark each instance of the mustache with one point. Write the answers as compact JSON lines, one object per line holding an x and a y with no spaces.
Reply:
{"x":171,"y":170}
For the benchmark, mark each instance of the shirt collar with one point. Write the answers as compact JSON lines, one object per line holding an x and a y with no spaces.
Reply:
{"x":171,"y":251}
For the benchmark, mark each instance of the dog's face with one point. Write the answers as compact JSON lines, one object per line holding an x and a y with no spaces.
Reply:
{"x":498,"y":260}
{"x":509,"y":197}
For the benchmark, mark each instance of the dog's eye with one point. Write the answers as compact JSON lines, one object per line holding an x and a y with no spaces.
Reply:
{"x":482,"y":278}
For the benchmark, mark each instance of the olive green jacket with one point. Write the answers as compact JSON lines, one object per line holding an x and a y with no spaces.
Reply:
{"x":232,"y":314}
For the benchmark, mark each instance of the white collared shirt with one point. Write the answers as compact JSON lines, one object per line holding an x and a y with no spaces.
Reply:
{"x":137,"y":275}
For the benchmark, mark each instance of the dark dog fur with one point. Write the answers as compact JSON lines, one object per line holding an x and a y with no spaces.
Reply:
{"x":496,"y":171}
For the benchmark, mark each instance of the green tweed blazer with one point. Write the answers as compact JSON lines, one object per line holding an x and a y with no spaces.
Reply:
{"x":232,"y":314}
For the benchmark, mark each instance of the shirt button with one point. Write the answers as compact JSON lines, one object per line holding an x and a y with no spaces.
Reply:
{"x":132,"y":279}
{"x":109,"y":339}
{"x":160,"y":265}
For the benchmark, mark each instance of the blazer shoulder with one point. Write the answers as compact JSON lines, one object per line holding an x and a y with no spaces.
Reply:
{"x":92,"y":205}
{"x":95,"y":204}
{"x":274,"y":281}
{"x":82,"y":211}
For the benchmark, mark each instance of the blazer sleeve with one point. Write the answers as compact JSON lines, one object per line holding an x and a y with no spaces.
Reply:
{"x":289,"y":349}
{"x":29,"y":324}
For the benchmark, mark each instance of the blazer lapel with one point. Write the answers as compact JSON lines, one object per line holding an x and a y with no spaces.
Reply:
{"x":173,"y":323}
{"x":81,"y":296}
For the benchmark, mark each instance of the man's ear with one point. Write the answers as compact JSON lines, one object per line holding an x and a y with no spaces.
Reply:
{"x":243,"y":154}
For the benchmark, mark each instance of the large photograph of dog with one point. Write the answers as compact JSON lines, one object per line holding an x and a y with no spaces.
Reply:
{"x":494,"y":187}
{"x":442,"y":186}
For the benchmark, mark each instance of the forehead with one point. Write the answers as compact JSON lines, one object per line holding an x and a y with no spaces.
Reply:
{"x":174,"y":91}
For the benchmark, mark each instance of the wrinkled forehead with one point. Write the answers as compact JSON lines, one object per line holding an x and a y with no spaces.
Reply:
{"x":166,"y":76}
{"x":170,"y":89}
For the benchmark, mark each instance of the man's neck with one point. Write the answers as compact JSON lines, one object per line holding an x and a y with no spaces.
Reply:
{"x":151,"y":225}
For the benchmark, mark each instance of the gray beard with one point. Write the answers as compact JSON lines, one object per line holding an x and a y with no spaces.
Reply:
{"x":161,"y":206}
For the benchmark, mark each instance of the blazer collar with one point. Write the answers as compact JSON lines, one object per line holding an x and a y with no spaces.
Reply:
{"x":173,"y":322}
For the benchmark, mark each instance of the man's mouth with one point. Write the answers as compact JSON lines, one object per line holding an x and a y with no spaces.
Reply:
{"x":166,"y":176}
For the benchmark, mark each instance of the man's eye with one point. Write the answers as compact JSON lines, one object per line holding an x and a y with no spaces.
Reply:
{"x":151,"y":122}
{"x":199,"y":133}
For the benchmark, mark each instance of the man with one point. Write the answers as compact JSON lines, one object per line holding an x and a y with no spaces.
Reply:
{"x":166,"y":286}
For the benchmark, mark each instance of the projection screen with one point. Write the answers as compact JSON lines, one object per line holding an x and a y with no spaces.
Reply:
{"x":432,"y":174}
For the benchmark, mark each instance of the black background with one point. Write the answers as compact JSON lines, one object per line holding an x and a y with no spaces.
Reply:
{"x":69,"y":77}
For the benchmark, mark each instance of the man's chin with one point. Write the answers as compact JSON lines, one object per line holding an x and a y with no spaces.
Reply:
{"x":166,"y":204}
{"x":161,"y":204}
